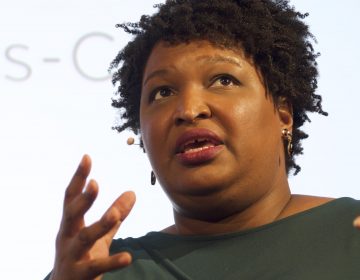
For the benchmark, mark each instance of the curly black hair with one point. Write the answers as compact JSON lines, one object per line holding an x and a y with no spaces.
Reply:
{"x":270,"y":32}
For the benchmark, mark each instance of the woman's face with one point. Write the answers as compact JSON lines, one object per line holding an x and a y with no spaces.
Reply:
{"x":212,"y":134}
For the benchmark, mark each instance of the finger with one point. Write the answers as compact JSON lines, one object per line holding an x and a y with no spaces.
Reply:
{"x":97,"y":267}
{"x":78,"y":180}
{"x":89,"y":235}
{"x":106,"y":227}
{"x":357,"y":222}
{"x":73,"y":216}
{"x":123,"y":206}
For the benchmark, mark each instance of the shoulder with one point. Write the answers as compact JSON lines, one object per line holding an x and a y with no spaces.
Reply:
{"x":139,"y":245}
{"x":322,"y":211}
{"x":302,"y":203}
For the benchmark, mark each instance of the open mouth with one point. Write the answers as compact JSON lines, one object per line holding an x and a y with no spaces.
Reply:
{"x":197,"y":142}
{"x":197,"y":145}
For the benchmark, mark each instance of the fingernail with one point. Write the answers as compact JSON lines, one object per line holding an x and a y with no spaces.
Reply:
{"x":82,"y":161}
{"x":125,"y":258}
{"x":89,"y":190}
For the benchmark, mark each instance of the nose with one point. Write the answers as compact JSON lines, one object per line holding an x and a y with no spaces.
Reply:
{"x":191,"y":106}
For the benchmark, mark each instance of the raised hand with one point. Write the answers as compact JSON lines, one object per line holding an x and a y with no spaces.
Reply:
{"x":82,"y":252}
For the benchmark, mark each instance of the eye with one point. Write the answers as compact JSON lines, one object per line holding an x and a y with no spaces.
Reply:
{"x":161,"y":93}
{"x":224,"y":80}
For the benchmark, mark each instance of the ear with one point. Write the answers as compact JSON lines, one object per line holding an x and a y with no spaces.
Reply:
{"x":285,"y":111}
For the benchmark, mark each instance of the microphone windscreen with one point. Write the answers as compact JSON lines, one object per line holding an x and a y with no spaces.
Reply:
{"x":130,"y":141}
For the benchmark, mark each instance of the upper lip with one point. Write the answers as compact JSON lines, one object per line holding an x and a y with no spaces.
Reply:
{"x":196,"y":134}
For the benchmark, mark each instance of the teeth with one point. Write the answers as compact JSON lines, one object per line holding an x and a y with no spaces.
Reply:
{"x":195,"y":141}
{"x":194,"y":150}
{"x":184,"y":147}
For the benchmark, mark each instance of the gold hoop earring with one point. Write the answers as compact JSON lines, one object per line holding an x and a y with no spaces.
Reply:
{"x":287,"y":136}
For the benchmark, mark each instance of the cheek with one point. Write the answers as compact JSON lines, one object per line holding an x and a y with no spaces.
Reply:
{"x":268,"y":130}
{"x":153,"y":133}
{"x":258,"y":115}
{"x":252,"y":125}
{"x":146,"y":133}
{"x":244,"y":117}
{"x":145,"y":129}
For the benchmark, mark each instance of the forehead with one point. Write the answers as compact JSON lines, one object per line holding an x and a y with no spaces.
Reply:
{"x":165,"y":54}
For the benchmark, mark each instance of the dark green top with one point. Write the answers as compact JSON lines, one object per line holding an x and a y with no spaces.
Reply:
{"x":320,"y":243}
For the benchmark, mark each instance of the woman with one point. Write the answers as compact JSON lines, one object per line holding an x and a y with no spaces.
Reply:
{"x":218,"y":91}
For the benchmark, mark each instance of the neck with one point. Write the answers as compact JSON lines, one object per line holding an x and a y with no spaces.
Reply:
{"x":268,"y":208}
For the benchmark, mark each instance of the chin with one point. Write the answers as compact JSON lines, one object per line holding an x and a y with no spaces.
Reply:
{"x":209,"y":209}
{"x":198,"y":182}
{"x":200,"y":190}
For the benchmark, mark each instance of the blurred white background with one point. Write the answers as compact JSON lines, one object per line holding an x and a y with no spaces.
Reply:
{"x":55,"y":97}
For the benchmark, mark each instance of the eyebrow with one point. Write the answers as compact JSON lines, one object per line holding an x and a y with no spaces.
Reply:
{"x":204,"y":58}
{"x":219,"y":59}
{"x":155,"y":73}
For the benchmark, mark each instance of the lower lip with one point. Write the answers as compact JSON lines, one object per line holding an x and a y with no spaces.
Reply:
{"x":199,"y":157}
